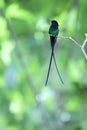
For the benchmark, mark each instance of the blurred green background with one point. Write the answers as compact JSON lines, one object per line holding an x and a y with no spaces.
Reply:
{"x":25,"y":102}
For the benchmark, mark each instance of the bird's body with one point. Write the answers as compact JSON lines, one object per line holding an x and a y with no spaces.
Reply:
{"x":53,"y":32}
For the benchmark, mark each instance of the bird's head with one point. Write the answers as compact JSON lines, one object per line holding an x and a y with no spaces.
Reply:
{"x":54,"y":23}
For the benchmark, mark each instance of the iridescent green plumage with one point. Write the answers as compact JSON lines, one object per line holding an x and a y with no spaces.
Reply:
{"x":53,"y":31}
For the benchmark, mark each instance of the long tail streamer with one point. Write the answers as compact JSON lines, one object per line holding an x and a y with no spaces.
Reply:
{"x":52,"y":55}
{"x":49,"y":68}
{"x":57,"y":68}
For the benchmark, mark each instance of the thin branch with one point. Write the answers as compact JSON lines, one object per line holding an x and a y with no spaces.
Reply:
{"x":71,"y":39}
{"x":81,"y":46}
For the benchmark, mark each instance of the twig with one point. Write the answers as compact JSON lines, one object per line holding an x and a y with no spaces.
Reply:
{"x":81,"y":46}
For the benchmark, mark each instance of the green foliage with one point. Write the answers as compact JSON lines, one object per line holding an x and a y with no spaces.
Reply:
{"x":25,"y":103}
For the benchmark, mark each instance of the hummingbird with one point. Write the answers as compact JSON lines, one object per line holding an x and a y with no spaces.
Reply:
{"x":53,"y":32}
